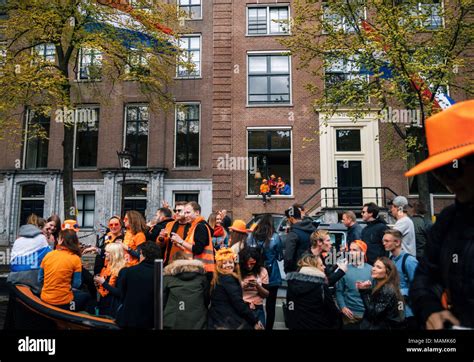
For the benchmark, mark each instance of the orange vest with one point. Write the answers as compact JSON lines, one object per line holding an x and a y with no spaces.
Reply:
{"x":207,"y":256}
{"x":164,"y":243}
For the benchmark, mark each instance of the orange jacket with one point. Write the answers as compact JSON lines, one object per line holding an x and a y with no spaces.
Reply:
{"x":167,"y":240}
{"x":207,"y":256}
{"x":264,"y":189}
{"x":105,"y":273}
{"x":133,"y":241}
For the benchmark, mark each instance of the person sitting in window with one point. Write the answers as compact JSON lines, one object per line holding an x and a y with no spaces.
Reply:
{"x":272,"y":183}
{"x":265,"y":191}
{"x":285,"y":189}
{"x":280,"y":184}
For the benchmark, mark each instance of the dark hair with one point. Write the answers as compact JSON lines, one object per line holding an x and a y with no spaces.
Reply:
{"x":264,"y":230}
{"x":70,"y":241}
{"x":41,"y":222}
{"x":195,"y":206}
{"x":372,"y":209}
{"x":136,"y":221}
{"x":57,"y":220}
{"x":419,"y":208}
{"x":299,"y":206}
{"x":165,"y":212}
{"x":250,"y":253}
{"x":150,"y":251}
{"x":180,"y":203}
{"x":392,"y":280}
{"x":294,"y":212}
{"x":238,"y":238}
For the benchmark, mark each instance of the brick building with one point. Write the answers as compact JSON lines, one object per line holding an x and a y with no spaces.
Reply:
{"x":245,"y":99}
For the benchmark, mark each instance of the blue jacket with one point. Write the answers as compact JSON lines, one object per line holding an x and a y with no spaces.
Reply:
{"x":406,"y":280}
{"x":272,"y":254}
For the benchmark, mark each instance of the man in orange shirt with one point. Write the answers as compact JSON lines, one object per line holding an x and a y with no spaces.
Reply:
{"x":265,"y":191}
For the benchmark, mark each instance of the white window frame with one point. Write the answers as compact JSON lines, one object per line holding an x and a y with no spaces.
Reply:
{"x":80,"y":192}
{"x":267,"y":7}
{"x":85,"y":106}
{"x":345,"y":27}
{"x":79,"y":63}
{"x":197,"y":76}
{"x":36,"y":54}
{"x":292,"y":184}
{"x":181,"y":192}
{"x":187,"y":18}
{"x":175,"y":133}
{"x":270,"y":52}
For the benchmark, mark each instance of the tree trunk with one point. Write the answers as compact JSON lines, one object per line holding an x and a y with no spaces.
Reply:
{"x":68,"y":187}
{"x":423,"y":186}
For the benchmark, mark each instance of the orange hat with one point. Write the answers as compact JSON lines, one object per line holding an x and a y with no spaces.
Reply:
{"x":363,"y":247}
{"x":239,"y":226}
{"x":225,"y":254}
{"x":70,"y":224}
{"x":450,"y":136}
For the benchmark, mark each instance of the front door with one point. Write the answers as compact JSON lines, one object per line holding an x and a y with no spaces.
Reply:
{"x":349,"y":183}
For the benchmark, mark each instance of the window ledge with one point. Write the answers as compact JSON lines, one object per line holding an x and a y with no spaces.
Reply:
{"x":264,"y":35}
{"x":188,"y":78}
{"x":87,"y":80}
{"x":439,"y":196}
{"x":186,"y":169}
{"x":274,"y":197}
{"x":269,"y":105}
{"x":85,"y":169}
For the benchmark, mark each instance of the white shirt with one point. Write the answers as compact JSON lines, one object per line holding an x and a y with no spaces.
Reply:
{"x":406,"y":227}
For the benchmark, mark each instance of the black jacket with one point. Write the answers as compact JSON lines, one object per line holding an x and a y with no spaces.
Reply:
{"x":228,"y":310}
{"x":153,"y":233}
{"x":422,"y":227}
{"x":372,"y":235}
{"x":353,"y":233}
{"x":382,"y":309}
{"x":448,"y":264}
{"x":309,"y":301}
{"x":136,"y":286}
{"x":297,"y":243}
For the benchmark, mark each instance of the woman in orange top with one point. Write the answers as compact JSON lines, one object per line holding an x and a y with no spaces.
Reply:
{"x":61,"y":271}
{"x":135,"y":225}
{"x":265,"y":191}
{"x":106,"y":281}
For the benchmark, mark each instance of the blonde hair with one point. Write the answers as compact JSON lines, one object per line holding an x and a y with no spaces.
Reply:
{"x":116,"y":259}
{"x":310,"y":260}
{"x":318,"y":235}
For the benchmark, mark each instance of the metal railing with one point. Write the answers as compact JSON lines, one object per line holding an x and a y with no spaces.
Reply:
{"x":349,"y":197}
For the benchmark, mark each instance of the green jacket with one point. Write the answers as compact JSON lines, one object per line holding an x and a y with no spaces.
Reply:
{"x":185,"y":295}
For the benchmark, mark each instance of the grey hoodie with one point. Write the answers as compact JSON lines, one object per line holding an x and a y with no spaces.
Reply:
{"x":29,"y":231}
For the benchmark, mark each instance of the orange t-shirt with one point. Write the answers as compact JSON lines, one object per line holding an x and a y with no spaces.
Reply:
{"x":264,"y":189}
{"x":133,"y":241}
{"x":59,"y":267}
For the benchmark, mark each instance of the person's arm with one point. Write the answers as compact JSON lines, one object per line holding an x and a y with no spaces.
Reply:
{"x":201,"y":239}
{"x":340,"y":288}
{"x":76,"y":280}
{"x":234,"y":292}
{"x":41,"y":276}
{"x":290,"y":251}
{"x":279,"y":247}
{"x":334,"y":276}
{"x":153,"y":233}
{"x":113,"y":289}
{"x":134,"y":253}
{"x":262,"y":289}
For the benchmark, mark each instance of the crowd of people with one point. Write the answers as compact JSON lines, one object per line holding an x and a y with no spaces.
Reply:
{"x":219,"y":274}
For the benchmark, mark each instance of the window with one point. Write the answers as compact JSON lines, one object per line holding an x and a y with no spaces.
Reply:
{"x":87,"y":137}
{"x":137,"y":63}
{"x":31,"y":202}
{"x":339,"y":70}
{"x":46,"y":52}
{"x":188,"y":197}
{"x":187,"y":135}
{"x":86,"y":210}
{"x":90,"y":64}
{"x":135,"y":197}
{"x":192,"y":7}
{"x":36,"y":140}
{"x":271,"y":150}
{"x":433,"y":12}
{"x":190,"y":60}
{"x":136,"y":135}
{"x":348,"y":140}
{"x":268,"y":79}
{"x":337,"y":22}
{"x":268,"y":20}
{"x":3,"y":53}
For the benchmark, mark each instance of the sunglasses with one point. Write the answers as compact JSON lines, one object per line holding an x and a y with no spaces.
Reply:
{"x":451,"y":172}
{"x":177,"y":210}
